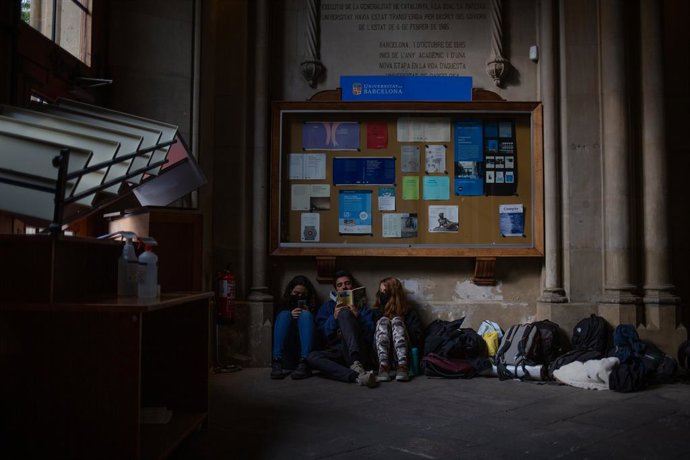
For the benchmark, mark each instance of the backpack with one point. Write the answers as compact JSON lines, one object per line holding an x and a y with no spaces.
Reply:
{"x":551,"y":344}
{"x":520,"y":347}
{"x":628,"y":377}
{"x":472,"y":345}
{"x":451,"y":368}
{"x":591,"y":333}
{"x":443,"y":338}
{"x":627,"y":343}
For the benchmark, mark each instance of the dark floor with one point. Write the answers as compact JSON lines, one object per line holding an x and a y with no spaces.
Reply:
{"x":252,"y":416}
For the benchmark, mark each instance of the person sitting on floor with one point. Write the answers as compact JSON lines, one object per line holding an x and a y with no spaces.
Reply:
{"x":293,"y":330}
{"x":398,"y":330}
{"x":347,"y":331}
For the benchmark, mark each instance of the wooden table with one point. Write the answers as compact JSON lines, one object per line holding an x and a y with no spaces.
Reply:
{"x":76,"y":375}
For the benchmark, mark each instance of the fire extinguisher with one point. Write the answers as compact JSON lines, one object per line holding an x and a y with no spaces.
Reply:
{"x":225,"y":297}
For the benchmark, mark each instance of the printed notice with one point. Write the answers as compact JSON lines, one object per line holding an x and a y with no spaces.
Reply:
{"x":387,"y":199}
{"x":399,"y":225}
{"x":409,"y":158}
{"x":512,"y":219}
{"x":412,"y":129}
{"x":309,"y":166}
{"x":309,"y":227}
{"x":410,"y":187}
{"x":436,"y":188}
{"x":435,"y":159}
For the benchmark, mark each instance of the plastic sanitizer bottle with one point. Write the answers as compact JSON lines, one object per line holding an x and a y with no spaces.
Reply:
{"x":127,"y":267}
{"x":148,"y":271}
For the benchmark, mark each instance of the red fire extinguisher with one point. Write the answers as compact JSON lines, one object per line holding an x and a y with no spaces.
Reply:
{"x":225,"y":297}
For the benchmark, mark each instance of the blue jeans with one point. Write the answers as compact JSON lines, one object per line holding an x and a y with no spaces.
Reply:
{"x":284,"y":337}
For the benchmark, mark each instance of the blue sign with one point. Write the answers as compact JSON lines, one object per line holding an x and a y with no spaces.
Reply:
{"x":406,"y":88}
{"x":364,"y":171}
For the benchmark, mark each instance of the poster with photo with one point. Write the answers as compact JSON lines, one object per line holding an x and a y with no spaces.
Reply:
{"x":354,"y":212}
{"x":469,"y":158}
{"x":500,"y":177}
{"x":443,"y":219}
{"x":399,"y":225}
{"x":511,"y":219}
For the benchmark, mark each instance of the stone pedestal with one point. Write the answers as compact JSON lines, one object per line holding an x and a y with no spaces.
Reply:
{"x":662,"y":328}
{"x":247,"y":341}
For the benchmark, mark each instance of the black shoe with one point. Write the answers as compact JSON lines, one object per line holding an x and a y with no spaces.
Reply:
{"x":277,"y":370}
{"x":302,"y":372}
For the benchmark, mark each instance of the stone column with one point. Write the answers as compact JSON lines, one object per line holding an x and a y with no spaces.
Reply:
{"x":661,"y":316}
{"x":618,"y":299}
{"x":548,"y":76}
{"x":657,"y":275}
{"x":260,"y":301}
{"x":259,"y":289}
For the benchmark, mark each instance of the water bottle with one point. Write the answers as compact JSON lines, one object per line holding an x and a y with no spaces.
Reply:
{"x":415,"y":361}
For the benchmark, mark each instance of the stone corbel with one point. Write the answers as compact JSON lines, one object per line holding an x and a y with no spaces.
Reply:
{"x":496,"y":65}
{"x":312,"y":68}
{"x":325,"y":268}
{"x":484,"y":271}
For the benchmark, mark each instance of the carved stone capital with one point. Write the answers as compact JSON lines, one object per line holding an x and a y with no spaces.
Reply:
{"x":311,"y":71}
{"x":496,"y":68}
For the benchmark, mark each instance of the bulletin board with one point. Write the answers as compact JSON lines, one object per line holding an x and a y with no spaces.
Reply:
{"x":407,"y":178}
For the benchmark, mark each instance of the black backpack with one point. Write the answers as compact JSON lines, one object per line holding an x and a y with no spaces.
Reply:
{"x":628,"y":377}
{"x":550,"y":337}
{"x":442,"y":338}
{"x":591,"y":334}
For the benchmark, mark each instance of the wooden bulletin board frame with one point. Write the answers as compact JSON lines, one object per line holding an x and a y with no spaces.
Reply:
{"x":479,"y":234}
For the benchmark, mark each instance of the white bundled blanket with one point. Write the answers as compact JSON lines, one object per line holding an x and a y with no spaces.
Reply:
{"x":590,"y":375}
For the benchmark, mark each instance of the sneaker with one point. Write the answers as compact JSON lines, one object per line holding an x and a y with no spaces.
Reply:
{"x":402,"y":374}
{"x":367,"y":379}
{"x":384,"y":373}
{"x":277,"y":370}
{"x":302,"y":372}
{"x":357,"y":367}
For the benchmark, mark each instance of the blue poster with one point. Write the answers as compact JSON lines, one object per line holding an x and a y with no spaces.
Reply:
{"x":343,"y":135}
{"x":511,"y":219}
{"x":363,"y":170}
{"x":354,"y":212}
{"x":436,"y":188}
{"x":469,"y":158}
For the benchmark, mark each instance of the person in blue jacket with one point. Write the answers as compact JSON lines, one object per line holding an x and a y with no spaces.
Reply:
{"x":293,"y":330}
{"x":347,"y":332}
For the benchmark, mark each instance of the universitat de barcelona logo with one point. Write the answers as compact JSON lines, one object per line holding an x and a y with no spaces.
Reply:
{"x":357,"y":89}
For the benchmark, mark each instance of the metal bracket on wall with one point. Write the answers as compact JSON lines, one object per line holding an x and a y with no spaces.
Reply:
{"x":325,"y":268}
{"x":484,"y":271}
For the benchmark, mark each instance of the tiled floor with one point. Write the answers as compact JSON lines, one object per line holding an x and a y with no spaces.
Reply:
{"x":254,"y":417}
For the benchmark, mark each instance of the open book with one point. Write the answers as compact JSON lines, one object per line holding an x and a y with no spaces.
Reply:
{"x":350,"y":297}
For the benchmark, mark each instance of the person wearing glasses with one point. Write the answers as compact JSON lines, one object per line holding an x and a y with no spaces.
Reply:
{"x":346,"y":328}
{"x":293,"y":330}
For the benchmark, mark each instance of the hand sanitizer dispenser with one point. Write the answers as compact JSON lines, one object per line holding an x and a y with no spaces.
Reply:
{"x":127,"y":267}
{"x":148,"y":271}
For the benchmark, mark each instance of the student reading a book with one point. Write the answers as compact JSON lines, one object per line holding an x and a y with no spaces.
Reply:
{"x":397,"y":331}
{"x":293,"y":330}
{"x":345,"y":327}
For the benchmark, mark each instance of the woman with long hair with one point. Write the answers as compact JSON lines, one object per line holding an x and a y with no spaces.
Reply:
{"x":293,"y":330}
{"x":397,"y":331}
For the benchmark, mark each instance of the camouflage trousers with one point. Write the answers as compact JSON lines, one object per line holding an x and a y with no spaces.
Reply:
{"x":391,"y":336}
